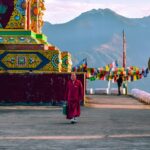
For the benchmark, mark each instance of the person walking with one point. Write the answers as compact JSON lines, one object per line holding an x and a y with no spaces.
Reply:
{"x":119,"y":82}
{"x":73,"y":95}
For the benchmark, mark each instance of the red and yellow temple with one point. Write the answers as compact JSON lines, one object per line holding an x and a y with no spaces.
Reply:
{"x":23,"y":47}
{"x":31,"y":69}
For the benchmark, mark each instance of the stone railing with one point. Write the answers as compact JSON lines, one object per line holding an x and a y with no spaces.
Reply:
{"x":102,"y":91}
{"x":141,"y":95}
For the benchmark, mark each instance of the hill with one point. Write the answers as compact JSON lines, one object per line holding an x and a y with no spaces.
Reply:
{"x":97,"y":35}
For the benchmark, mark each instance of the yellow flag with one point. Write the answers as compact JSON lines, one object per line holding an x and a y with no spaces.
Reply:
{"x":107,"y":68}
{"x":134,"y":78}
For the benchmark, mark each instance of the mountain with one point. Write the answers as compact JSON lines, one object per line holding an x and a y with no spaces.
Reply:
{"x":97,"y":35}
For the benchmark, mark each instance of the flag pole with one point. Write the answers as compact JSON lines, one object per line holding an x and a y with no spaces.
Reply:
{"x":109,"y":87}
{"x":125,"y":83}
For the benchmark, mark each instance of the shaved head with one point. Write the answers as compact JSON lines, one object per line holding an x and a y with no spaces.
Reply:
{"x":73,"y":76}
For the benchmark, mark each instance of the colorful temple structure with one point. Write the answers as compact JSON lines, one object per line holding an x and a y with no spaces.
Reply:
{"x":31,"y":69}
{"x":23,"y":47}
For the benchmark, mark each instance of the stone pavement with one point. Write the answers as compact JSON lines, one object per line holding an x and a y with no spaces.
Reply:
{"x":114,"y":101}
{"x":107,"y":128}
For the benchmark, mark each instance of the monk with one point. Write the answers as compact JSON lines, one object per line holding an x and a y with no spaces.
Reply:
{"x":74,"y":94}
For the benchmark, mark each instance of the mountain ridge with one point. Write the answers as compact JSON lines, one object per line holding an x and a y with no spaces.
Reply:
{"x":97,"y":35}
{"x":102,"y":12}
{"x":91,"y":27}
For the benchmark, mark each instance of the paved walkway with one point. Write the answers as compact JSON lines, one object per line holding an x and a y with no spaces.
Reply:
{"x":45,"y":128}
{"x":114,"y":101}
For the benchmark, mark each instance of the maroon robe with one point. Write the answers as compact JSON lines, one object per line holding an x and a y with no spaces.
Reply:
{"x":73,"y":95}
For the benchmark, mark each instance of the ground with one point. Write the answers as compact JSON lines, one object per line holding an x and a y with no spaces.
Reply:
{"x":99,"y":127}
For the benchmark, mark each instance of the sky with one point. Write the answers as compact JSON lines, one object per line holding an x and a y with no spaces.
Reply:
{"x":61,"y":11}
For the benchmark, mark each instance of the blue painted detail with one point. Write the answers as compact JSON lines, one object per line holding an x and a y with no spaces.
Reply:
{"x":22,"y":60}
{"x":1,"y":64}
{"x":22,"y":39}
{"x":3,"y":8}
{"x":1,"y":39}
{"x":55,"y":61}
{"x":19,"y":7}
{"x":64,"y":62}
{"x":1,"y":25}
{"x":17,"y":17}
{"x":44,"y":62}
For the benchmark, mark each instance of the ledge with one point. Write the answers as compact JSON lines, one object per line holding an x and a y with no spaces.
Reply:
{"x":141,"y":95}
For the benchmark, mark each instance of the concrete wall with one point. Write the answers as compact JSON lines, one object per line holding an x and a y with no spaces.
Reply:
{"x":141,"y":95}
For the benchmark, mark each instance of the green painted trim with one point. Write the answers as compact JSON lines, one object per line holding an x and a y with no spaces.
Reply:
{"x":15,"y":32}
{"x":41,"y":37}
{"x":20,"y":32}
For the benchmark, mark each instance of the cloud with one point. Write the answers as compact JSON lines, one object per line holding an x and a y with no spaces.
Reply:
{"x":112,"y":45}
{"x":110,"y":51}
{"x":60,"y":11}
{"x":104,"y":54}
